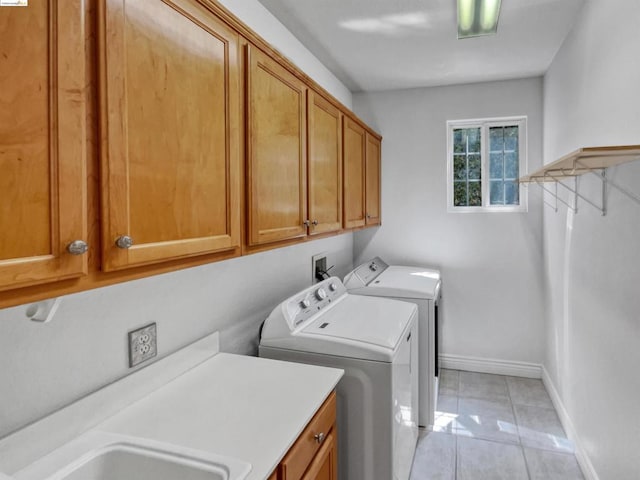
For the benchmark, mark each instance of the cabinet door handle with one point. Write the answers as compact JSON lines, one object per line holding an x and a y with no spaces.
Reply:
{"x":306,"y":223}
{"x":368,"y":216}
{"x":315,"y":222}
{"x":319,"y":437}
{"x":124,"y":241}
{"x":77,"y":247}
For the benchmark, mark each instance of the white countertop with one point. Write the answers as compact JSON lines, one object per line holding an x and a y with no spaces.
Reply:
{"x":245,"y":407}
{"x":249,"y":408}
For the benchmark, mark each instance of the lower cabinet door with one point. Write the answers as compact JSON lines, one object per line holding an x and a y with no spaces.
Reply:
{"x":325,"y":464}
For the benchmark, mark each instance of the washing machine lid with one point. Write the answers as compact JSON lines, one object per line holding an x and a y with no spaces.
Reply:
{"x":358,"y":320}
{"x":324,"y":319}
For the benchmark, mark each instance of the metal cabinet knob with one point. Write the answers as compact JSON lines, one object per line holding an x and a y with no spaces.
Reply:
{"x":306,"y":223}
{"x":315,"y":222}
{"x":78,"y":247}
{"x":124,"y":241}
{"x":319,"y":437}
{"x":368,"y":216}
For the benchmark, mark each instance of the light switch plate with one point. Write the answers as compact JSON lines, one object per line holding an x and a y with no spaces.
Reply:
{"x":143,"y":344}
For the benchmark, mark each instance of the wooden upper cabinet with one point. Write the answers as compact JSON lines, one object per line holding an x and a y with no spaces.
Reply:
{"x":171,"y":122}
{"x":42,"y":142}
{"x":372,"y":184}
{"x":325,"y":165}
{"x":276,"y":151}
{"x":354,"y":173}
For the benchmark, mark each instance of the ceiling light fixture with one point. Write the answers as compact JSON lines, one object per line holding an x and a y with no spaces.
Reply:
{"x":477,"y":17}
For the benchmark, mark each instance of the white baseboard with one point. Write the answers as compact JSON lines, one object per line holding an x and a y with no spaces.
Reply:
{"x":583,"y":460}
{"x":491,"y":365}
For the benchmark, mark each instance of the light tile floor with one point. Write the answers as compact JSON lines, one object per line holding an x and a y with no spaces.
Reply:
{"x":492,"y":427}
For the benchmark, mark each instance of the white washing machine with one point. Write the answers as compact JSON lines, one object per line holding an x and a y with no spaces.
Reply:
{"x":374,"y":340}
{"x":420,"y":286}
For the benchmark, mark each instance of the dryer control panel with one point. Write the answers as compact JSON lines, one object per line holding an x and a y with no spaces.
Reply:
{"x":307,"y":303}
{"x":366,"y":272}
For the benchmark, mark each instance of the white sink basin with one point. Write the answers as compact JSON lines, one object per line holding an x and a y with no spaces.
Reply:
{"x":106,"y":456}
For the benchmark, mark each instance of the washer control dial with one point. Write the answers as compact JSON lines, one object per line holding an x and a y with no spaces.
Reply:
{"x":333,"y":287}
{"x":373,"y":267}
{"x":321,"y":294}
{"x":306,"y":303}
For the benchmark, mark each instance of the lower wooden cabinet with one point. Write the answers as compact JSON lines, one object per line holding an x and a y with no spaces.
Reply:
{"x":325,"y":463}
{"x":314,"y":455}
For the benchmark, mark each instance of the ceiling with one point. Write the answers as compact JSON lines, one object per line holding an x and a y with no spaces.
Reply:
{"x":392,"y":44}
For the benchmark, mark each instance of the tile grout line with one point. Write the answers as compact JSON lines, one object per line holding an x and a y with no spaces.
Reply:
{"x":455,"y":435}
{"x":515,"y":418}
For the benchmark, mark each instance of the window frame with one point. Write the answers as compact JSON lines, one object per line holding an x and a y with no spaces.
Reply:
{"x":485,"y":124}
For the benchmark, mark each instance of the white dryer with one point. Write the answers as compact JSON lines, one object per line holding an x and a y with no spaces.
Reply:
{"x":374,"y":341}
{"x":420,"y":286}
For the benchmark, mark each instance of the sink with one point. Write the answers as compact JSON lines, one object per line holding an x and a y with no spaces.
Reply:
{"x":107,"y":456}
{"x":122,"y":462}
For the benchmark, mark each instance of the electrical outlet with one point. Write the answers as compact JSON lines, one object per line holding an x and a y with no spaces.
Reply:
{"x":318,"y":266}
{"x":143,"y":344}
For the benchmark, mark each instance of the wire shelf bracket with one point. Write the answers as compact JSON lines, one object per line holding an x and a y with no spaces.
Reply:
{"x":594,"y":161}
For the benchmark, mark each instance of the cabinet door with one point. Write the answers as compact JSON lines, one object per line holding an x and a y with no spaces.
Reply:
{"x":170,"y":126}
{"x":354,"y":174}
{"x":42,"y":142}
{"x":325,"y":165}
{"x":276,"y":152}
{"x":372,"y":186}
{"x":325,"y":464}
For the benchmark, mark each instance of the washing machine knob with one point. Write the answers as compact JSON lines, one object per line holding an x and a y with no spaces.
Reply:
{"x":373,"y":267}
{"x":321,"y":294}
{"x":333,"y":287}
{"x":305,"y":303}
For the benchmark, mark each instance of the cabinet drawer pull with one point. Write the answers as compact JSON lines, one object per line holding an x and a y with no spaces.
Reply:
{"x":319,"y":437}
{"x":77,"y":247}
{"x":124,"y":241}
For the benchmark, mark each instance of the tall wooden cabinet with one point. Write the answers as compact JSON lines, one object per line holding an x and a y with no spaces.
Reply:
{"x":276,"y":151}
{"x":354,"y":174}
{"x":43,"y":139}
{"x":361,"y":176}
{"x":372,"y":180}
{"x":325,"y":165}
{"x":171,"y":121}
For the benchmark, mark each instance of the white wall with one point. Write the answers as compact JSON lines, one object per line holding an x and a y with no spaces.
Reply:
{"x":46,"y":366}
{"x":491,"y":263}
{"x":592,"y":98}
{"x":260,"y":20}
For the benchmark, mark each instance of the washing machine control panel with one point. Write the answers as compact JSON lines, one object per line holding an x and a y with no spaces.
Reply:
{"x":310,"y":301}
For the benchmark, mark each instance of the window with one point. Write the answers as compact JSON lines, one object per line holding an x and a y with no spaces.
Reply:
{"x":485,"y":159}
